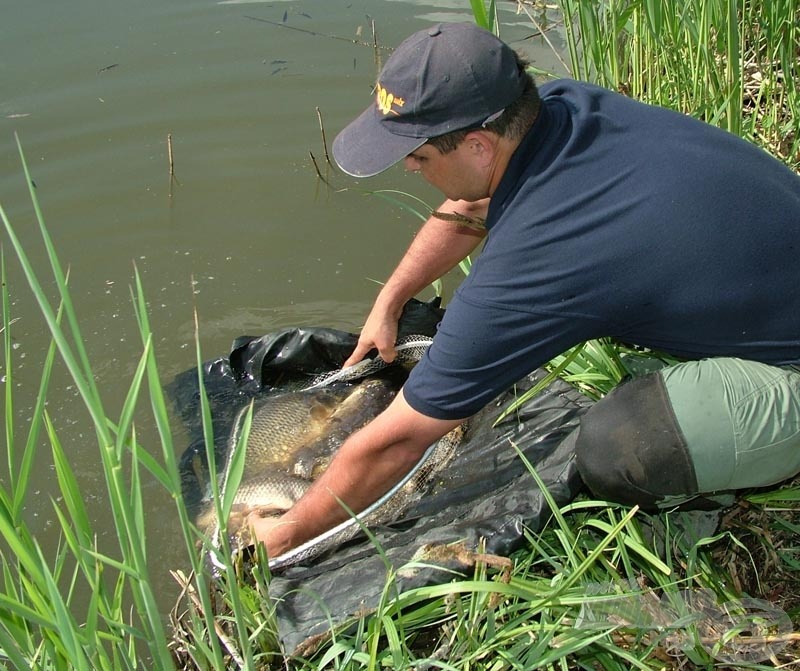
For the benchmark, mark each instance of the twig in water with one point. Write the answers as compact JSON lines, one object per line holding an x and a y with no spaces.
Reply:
{"x":169,"y":154}
{"x":324,"y":141}
{"x":172,"y":178}
{"x":521,"y":7}
{"x":314,"y":33}
{"x":375,"y":46}
{"x":316,"y":167}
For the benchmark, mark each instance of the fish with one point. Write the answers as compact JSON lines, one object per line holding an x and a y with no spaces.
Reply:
{"x":269,"y":495}
{"x":292,"y":439}
{"x":390,"y":507}
{"x":409,"y":349}
{"x":358,"y":409}
{"x":299,"y":431}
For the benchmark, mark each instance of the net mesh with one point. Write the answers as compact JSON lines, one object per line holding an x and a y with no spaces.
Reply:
{"x":409,"y":350}
{"x":399,"y":498}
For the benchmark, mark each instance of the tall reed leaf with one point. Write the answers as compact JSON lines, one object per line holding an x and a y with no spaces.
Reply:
{"x":485,"y":17}
{"x":124,"y":499}
{"x":732,"y":63}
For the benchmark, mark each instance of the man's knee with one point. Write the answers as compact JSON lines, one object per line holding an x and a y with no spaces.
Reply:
{"x":630,"y":449}
{"x":740,"y":419}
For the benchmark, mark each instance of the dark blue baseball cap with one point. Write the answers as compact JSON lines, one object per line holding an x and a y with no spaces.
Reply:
{"x":442,"y":79}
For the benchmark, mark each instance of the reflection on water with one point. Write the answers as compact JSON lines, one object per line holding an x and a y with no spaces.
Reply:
{"x":247,"y":236}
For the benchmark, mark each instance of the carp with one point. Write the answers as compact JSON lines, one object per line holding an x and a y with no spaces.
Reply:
{"x":299,"y":431}
{"x":269,"y":494}
{"x":293,"y":436}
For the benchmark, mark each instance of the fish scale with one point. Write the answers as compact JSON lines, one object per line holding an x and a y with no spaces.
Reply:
{"x":285,"y":422}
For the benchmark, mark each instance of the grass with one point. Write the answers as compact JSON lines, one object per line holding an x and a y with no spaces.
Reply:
{"x":122,"y":626}
{"x":600,"y":587}
{"x":732,"y":64}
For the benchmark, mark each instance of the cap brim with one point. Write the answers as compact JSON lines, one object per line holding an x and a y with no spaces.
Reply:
{"x":365,"y":148}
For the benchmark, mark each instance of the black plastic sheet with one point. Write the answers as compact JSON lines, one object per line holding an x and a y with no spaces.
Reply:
{"x":484,"y":499}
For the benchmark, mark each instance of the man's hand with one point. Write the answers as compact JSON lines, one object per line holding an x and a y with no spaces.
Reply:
{"x":437,"y":248}
{"x":379,"y":332}
{"x":366,"y":466}
{"x":269,"y":530}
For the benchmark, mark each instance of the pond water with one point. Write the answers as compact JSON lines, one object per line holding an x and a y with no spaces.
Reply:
{"x":246,"y":234}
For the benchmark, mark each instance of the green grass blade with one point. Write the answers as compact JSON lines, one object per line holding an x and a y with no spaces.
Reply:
{"x":638,"y":548}
{"x":541,"y":385}
{"x":81,"y":368}
{"x":85,"y":387}
{"x":66,"y":635}
{"x":485,"y":18}
{"x":422,"y":212}
{"x":9,"y":644}
{"x":235,"y":469}
{"x":9,"y":378}
{"x":68,"y":485}
{"x":20,"y":478}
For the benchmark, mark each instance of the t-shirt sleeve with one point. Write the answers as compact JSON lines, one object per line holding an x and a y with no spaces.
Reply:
{"x":479,"y":351}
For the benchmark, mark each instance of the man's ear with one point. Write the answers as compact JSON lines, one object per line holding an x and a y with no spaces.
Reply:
{"x":476,"y":140}
{"x":482,"y":144}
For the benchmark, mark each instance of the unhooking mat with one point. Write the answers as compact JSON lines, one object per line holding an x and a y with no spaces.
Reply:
{"x":486,"y":499}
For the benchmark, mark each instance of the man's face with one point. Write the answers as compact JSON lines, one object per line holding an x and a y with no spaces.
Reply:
{"x":456,"y":174}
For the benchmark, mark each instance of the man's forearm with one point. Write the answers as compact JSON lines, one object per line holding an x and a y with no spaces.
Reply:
{"x":436,"y":249}
{"x":368,"y":465}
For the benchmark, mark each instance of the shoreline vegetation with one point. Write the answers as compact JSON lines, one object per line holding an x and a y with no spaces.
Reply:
{"x":601,"y":587}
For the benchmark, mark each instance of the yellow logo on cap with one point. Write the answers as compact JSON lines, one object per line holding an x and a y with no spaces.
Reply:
{"x":385,"y":100}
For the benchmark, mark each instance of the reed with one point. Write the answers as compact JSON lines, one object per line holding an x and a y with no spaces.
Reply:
{"x":42,"y":625}
{"x":731,"y":63}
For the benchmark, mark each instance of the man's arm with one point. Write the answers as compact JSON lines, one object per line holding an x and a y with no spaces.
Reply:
{"x":437,"y":248}
{"x":368,"y":464}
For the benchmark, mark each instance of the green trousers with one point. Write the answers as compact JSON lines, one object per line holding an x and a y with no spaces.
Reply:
{"x":696,"y":428}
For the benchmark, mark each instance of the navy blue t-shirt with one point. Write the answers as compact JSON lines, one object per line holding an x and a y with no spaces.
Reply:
{"x":616,"y":218}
